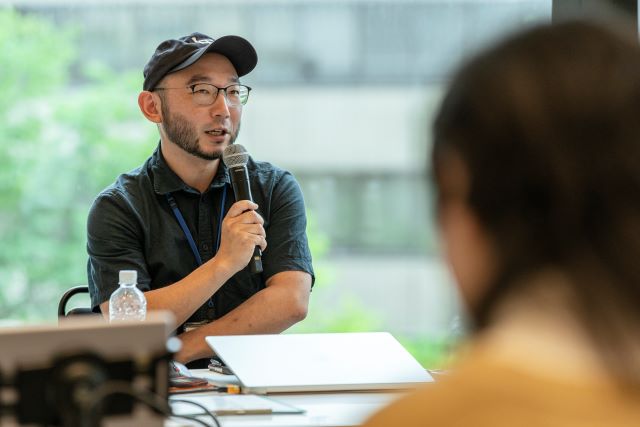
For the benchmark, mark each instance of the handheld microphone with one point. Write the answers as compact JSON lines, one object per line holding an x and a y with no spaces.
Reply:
{"x":235,"y":157}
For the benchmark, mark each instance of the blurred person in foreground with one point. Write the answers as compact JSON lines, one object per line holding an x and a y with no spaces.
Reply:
{"x":175,"y":219}
{"x":536,"y":161}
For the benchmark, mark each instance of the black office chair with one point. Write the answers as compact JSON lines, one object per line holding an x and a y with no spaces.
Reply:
{"x":62,"y":305}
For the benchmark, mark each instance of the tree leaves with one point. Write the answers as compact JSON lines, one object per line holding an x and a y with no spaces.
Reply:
{"x":65,"y":138}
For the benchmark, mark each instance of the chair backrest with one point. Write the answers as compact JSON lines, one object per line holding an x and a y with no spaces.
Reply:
{"x":62,"y":305}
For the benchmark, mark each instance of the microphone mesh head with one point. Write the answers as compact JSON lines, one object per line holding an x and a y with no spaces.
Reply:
{"x":235,"y":155}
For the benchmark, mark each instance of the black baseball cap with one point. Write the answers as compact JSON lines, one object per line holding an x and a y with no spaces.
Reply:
{"x":175,"y":54}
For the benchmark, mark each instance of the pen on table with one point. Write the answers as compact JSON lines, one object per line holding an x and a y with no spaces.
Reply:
{"x":229,"y":388}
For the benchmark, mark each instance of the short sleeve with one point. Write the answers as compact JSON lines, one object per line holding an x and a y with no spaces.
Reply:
{"x":287,"y":245}
{"x":114,"y":242}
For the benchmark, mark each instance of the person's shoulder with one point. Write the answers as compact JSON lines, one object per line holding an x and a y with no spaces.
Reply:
{"x":460,"y":398}
{"x":427,"y":405}
{"x":128,"y":186}
{"x":267,"y":172}
{"x":485,"y":391}
{"x":259,"y":166}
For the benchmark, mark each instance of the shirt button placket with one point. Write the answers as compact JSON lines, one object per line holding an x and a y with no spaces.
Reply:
{"x":205,"y":228}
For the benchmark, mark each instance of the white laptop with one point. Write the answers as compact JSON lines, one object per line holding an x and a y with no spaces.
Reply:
{"x":318,"y":362}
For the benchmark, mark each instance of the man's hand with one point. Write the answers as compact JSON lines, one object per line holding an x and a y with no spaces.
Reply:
{"x":242,"y":231}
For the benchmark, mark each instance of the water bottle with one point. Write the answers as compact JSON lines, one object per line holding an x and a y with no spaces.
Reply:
{"x":127,"y":302}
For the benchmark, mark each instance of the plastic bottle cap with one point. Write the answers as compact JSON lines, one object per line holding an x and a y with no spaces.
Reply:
{"x":128,"y":276}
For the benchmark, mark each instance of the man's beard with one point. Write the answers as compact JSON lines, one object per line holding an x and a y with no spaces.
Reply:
{"x":184,"y":134}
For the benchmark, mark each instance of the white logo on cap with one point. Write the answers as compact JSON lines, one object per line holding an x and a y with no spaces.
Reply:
{"x":202,"y":41}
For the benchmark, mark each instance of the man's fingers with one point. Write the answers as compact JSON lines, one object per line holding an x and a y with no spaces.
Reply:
{"x":241,"y":206}
{"x":256,"y":229}
{"x":248,"y":217}
{"x":262,"y":242}
{"x":253,"y":238}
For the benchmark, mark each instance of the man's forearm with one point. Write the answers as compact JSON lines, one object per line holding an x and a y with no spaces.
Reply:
{"x":270,"y":311}
{"x":184,"y":297}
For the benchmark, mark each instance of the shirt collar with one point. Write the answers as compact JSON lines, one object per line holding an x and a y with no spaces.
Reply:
{"x":166,"y":181}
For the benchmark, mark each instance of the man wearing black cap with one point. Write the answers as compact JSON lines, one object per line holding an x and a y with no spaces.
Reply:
{"x":175,"y":219}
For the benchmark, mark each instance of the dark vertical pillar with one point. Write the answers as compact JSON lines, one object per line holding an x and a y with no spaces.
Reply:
{"x":562,"y":9}
{"x":631,"y":6}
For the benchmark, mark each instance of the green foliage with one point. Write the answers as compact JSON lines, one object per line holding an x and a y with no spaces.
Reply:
{"x":34,"y":60}
{"x":55,"y":135}
{"x":432,"y":353}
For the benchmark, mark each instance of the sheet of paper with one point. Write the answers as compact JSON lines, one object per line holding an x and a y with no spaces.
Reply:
{"x":230,"y":404}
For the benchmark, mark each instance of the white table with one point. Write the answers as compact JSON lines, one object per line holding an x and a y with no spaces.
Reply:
{"x":325,"y":409}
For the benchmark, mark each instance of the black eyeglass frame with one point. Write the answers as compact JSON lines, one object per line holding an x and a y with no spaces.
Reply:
{"x":215,"y":97}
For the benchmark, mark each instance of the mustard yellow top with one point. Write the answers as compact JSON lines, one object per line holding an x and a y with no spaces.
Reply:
{"x":534,"y":368}
{"x":486,"y":393}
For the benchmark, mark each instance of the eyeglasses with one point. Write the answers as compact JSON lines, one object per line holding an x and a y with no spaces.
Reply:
{"x":206,"y":94}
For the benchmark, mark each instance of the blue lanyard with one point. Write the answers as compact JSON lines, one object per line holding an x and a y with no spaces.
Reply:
{"x":185,"y":229}
{"x":187,"y":233}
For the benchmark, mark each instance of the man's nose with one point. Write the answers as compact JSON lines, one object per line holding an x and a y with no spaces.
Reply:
{"x":219,"y":106}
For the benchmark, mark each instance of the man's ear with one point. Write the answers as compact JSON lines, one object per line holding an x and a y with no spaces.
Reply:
{"x":149,"y":104}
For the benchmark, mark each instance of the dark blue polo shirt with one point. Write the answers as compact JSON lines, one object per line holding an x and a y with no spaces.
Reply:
{"x":131,"y":227}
